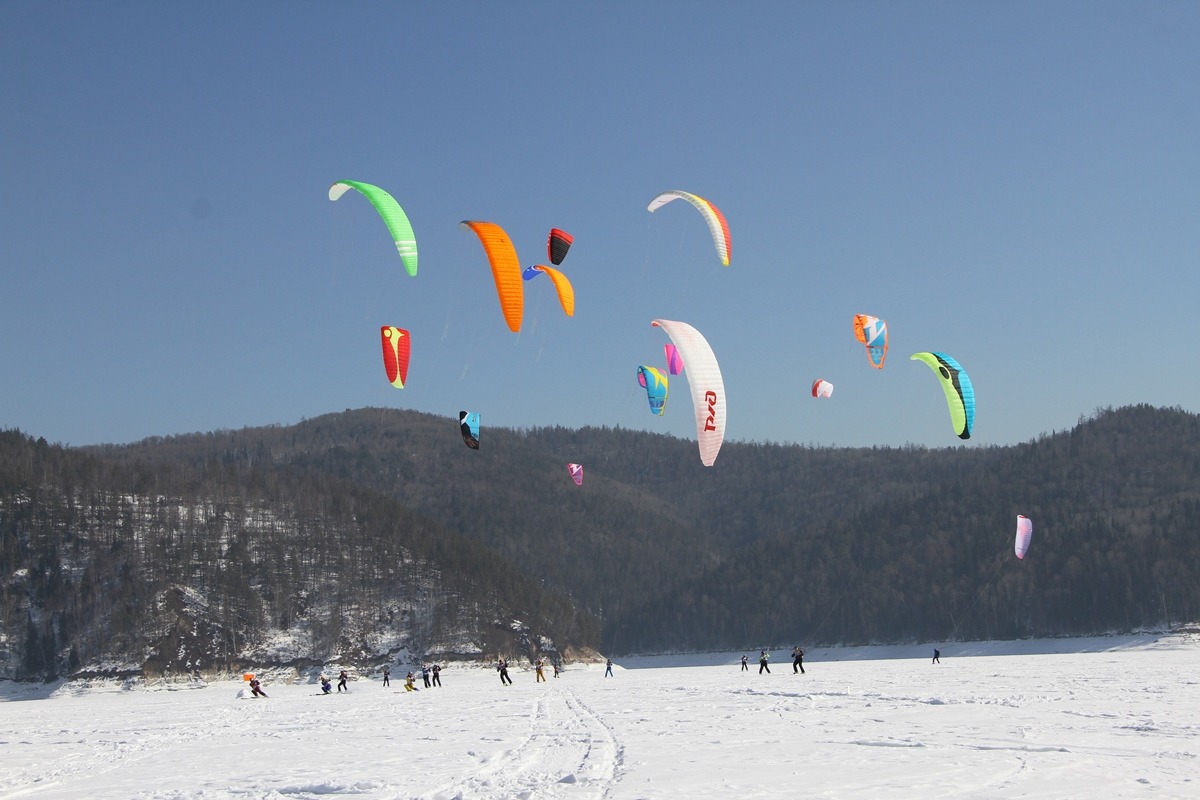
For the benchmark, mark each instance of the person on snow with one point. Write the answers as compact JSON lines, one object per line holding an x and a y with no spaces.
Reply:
{"x":763,"y":658}
{"x":256,"y":688}
{"x":502,"y":668}
{"x":541,"y":676}
{"x":745,"y":664}
{"x":425,"y":675}
{"x":797,"y":660}
{"x":410,"y":683}
{"x":437,"y":674}
{"x":326,"y":686}
{"x":557,"y":669}
{"x":937,"y":656}
{"x":608,"y":668}
{"x":387,"y":673}
{"x":342,"y":678}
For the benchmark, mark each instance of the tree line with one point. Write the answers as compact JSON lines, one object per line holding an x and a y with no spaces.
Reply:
{"x":775,"y":545}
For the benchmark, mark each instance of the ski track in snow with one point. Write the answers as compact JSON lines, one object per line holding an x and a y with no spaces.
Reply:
{"x":567,"y":752}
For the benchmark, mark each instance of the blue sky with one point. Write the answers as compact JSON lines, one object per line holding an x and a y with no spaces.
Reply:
{"x":1016,"y":184}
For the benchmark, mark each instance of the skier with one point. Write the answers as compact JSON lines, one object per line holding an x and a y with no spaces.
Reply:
{"x":797,"y":660}
{"x":387,"y":673}
{"x":608,"y":668}
{"x":342,"y":678}
{"x":541,"y":676}
{"x":326,"y":686}
{"x":937,"y":656}
{"x":745,"y":664}
{"x":763,"y":657}
{"x":256,"y":688}
{"x":437,"y":674}
{"x":502,"y":668}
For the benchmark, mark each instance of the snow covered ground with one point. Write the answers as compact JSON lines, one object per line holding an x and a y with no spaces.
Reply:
{"x":1110,"y":717}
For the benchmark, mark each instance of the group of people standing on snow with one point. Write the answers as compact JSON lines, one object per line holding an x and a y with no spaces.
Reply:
{"x":798,"y":661}
{"x":764,"y":661}
{"x":432,"y":674}
{"x":539,"y":668}
{"x":343,"y":677}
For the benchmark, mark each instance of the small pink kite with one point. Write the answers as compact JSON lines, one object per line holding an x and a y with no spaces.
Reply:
{"x":674,"y":362}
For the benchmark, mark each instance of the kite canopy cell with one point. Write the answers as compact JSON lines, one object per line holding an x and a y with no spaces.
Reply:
{"x":566,"y":293}
{"x":468,"y":425}
{"x":397,"y":347}
{"x":960,"y":394}
{"x":717,"y":225}
{"x":654,"y":382}
{"x":393,"y":216}
{"x":705,"y":383}
{"x":674,"y":362}
{"x":1024,"y":535}
{"x":506,"y":270}
{"x":557,"y":245}
{"x":872,"y":332}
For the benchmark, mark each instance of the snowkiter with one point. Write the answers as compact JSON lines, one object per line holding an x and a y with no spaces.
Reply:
{"x":538,"y":667}
{"x":437,"y":674}
{"x":608,"y":668}
{"x":342,"y":678}
{"x":256,"y":688}
{"x":387,"y":673}
{"x":745,"y":664}
{"x":425,"y":675}
{"x":410,"y":683}
{"x":937,"y":656}
{"x":326,"y":686}
{"x":763,"y":658}
{"x":797,"y":660}
{"x":502,"y":668}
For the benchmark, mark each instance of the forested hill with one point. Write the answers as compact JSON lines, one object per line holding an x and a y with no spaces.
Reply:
{"x":781,"y":544}
{"x":180,"y":565}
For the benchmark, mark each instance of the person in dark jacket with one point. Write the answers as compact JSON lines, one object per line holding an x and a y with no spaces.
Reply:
{"x":745,"y":663}
{"x":437,"y":674}
{"x":256,"y":688}
{"x":797,"y":660}
{"x":763,"y":658}
{"x":387,"y":675}
{"x":342,"y":678}
{"x":502,"y":668}
{"x":937,"y":656}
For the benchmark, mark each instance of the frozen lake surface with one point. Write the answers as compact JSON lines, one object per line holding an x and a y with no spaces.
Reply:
{"x":1108,"y":717}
